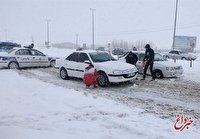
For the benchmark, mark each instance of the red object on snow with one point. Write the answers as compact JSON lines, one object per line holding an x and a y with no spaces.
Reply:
{"x":90,"y":76}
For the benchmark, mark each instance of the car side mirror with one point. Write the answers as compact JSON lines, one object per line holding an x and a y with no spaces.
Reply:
{"x":87,"y":62}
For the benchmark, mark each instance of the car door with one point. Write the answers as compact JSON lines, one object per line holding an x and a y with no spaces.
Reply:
{"x":81,"y":63}
{"x":174,"y":54}
{"x":139,"y":63}
{"x":39,"y":59}
{"x":23,"y":57}
{"x":71,"y":64}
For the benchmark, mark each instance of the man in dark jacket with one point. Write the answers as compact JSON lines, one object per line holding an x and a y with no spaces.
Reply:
{"x":148,"y":60}
{"x":131,"y":58}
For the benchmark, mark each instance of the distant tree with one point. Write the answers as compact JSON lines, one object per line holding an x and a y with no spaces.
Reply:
{"x":141,"y":44}
{"x":121,"y":44}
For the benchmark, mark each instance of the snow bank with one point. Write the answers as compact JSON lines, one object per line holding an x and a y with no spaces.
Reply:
{"x":191,"y":73}
{"x":32,"y":109}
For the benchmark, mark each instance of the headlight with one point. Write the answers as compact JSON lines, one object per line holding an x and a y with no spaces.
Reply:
{"x":117,"y":72}
{"x":169,"y":68}
{"x":127,"y":71}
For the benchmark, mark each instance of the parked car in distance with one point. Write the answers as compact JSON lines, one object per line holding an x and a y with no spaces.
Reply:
{"x":176,"y":54}
{"x":161,"y":67}
{"x":110,"y":70}
{"x":24,"y":57}
{"x":7,"y":46}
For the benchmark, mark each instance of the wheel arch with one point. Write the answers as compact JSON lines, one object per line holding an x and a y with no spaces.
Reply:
{"x":14,"y":62}
{"x":156,"y":71}
{"x":101,"y":71}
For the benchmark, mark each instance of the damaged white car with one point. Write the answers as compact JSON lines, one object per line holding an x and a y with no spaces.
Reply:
{"x":110,"y":70}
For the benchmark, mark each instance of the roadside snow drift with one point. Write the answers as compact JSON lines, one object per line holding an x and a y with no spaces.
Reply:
{"x":32,"y":109}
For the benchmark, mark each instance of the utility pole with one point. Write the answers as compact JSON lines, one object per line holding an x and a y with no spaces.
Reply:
{"x":76,"y":40}
{"x":47,"y":42}
{"x":93,"y":10}
{"x":32,"y":39}
{"x":175,"y":25}
{"x":6,"y":35}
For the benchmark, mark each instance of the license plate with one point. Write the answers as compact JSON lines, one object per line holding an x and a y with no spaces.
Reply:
{"x":130,"y":74}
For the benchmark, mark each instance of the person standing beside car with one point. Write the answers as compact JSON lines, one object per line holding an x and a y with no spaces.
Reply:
{"x":148,"y":61}
{"x":131,"y":58}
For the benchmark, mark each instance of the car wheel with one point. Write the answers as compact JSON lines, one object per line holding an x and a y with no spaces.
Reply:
{"x":158,"y":74}
{"x":102,"y":80}
{"x":52,"y":63}
{"x":183,"y":58}
{"x":63,"y":74}
{"x":13,"y":65}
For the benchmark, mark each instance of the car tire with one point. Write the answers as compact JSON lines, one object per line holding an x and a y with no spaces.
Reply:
{"x":52,"y":63}
{"x":183,"y":58}
{"x":158,"y":74}
{"x":102,"y":80}
{"x":64,"y":74}
{"x":13,"y":65}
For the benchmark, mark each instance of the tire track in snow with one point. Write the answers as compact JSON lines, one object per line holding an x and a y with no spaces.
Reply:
{"x":164,"y":98}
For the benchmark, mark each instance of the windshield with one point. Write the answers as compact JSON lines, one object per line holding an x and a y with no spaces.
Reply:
{"x":159,"y":57}
{"x":11,"y":50}
{"x":101,"y":57}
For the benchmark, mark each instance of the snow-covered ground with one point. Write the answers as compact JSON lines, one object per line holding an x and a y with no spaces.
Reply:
{"x":30,"y":108}
{"x":191,"y":73}
{"x":36,"y":103}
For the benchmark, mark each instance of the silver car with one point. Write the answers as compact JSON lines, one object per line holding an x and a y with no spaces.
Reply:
{"x":175,"y":54}
{"x":162,"y":67}
{"x":24,"y":57}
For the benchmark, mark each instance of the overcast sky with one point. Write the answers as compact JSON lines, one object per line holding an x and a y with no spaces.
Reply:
{"x":129,"y":20}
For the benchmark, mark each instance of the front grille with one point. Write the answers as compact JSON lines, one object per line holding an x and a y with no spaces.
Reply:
{"x":177,"y":68}
{"x":130,"y":75}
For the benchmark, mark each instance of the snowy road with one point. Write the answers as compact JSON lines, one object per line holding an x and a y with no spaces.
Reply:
{"x":163,"y":98}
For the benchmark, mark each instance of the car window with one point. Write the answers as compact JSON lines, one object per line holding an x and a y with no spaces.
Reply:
{"x":6,"y":47}
{"x":140,"y":56}
{"x":22,"y":52}
{"x":158,"y":57}
{"x":101,"y":57}
{"x":36,"y":52}
{"x":83,"y":57}
{"x":73,"y":57}
{"x":176,"y":52}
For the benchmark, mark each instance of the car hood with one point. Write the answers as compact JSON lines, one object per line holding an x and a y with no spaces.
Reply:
{"x":167,"y":63}
{"x":115,"y":65}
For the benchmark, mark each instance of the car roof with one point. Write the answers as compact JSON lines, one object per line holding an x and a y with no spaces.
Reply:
{"x":9,"y":44}
{"x":88,"y":51}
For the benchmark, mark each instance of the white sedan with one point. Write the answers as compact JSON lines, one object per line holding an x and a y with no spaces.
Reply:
{"x":23,"y":57}
{"x":176,"y":54}
{"x":110,"y":69}
{"x":161,"y":67}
